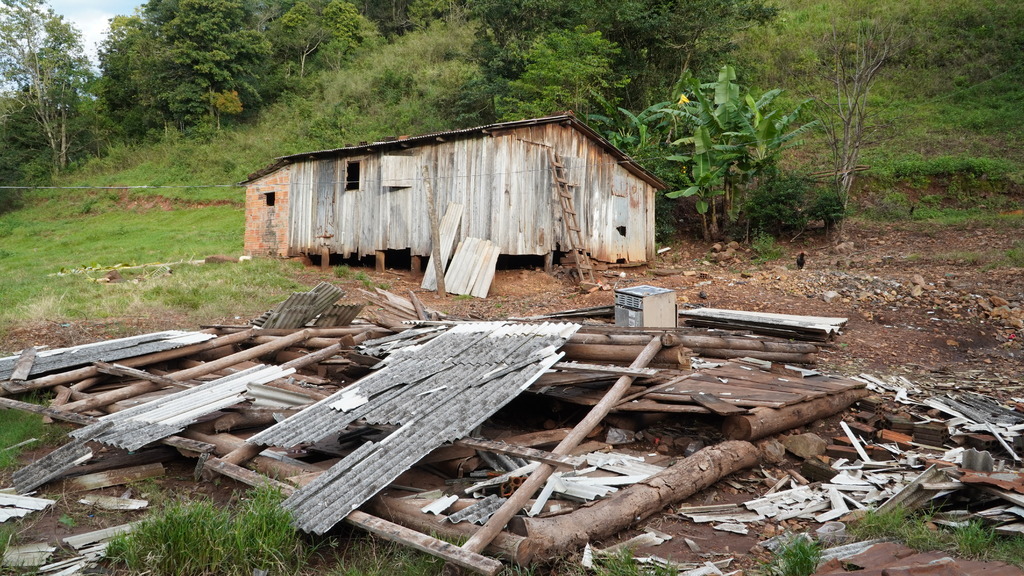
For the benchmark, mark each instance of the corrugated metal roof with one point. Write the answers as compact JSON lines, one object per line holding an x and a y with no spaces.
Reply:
{"x":105,"y":351}
{"x":436,"y":392}
{"x":401,"y":143}
{"x":301,"y":307}
{"x":50,"y":466}
{"x":478,"y":513}
{"x":135,"y":427}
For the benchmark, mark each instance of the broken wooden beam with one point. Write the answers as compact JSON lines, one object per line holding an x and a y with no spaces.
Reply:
{"x":553,"y":536}
{"x":424,"y":543}
{"x":121,"y":370}
{"x":536,"y":481}
{"x":762,"y":422}
{"x":23,"y":367}
{"x":673,"y":357}
{"x":557,"y":460}
{"x":114,"y":477}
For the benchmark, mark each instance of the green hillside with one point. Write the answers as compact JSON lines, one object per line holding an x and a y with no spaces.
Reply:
{"x":156,"y":147}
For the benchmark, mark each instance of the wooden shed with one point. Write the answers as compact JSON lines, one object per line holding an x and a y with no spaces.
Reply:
{"x":524,"y":185}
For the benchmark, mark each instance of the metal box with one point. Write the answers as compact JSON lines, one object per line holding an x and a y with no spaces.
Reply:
{"x":646,"y":307}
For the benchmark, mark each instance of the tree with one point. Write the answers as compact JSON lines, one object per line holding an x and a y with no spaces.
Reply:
{"x":130,"y":87}
{"x":211,"y":51}
{"x":657,"y":39}
{"x":312,"y":26}
{"x":855,"y":54}
{"x":44,"y":69}
{"x":565,"y":70}
{"x":168,"y":64}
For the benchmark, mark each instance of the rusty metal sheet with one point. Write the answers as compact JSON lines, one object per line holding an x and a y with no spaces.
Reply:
{"x":1007,"y":480}
{"x":894,"y":559}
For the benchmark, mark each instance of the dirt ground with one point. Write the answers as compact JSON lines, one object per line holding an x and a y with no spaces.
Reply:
{"x":920,"y":303}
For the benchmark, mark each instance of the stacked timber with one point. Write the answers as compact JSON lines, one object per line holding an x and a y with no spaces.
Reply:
{"x":806,"y":328}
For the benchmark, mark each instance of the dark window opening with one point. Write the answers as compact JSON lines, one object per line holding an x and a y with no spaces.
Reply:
{"x":520,"y":262}
{"x":396,"y":259}
{"x":269,"y":197}
{"x":621,"y":230}
{"x":352,"y":176}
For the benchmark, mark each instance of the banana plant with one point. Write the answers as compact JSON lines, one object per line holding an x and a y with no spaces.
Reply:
{"x":735,"y":139}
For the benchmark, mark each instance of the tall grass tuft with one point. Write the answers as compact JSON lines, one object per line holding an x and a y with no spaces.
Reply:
{"x":199,"y":539}
{"x":370,"y":556}
{"x":974,"y":539}
{"x":8,"y":537}
{"x":798,"y":557}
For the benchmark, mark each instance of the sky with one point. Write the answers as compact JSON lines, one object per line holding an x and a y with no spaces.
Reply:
{"x":90,"y":17}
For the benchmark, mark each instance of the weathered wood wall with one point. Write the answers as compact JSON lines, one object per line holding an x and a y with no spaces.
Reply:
{"x":504,"y":180}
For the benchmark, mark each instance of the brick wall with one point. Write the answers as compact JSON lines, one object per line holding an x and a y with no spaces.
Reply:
{"x":266,"y":227}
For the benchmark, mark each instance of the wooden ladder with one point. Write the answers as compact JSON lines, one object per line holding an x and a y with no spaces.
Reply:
{"x":572,"y":226}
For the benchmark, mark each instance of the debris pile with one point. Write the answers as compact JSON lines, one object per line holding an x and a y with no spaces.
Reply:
{"x":347,"y":416}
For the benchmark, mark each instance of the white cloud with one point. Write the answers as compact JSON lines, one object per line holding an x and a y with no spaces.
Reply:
{"x":92,"y":18}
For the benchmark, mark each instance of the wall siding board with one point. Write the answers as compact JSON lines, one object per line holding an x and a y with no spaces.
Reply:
{"x":325,"y":209}
{"x":503,"y":179}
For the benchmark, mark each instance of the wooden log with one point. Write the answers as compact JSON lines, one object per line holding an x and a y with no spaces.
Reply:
{"x":47,"y":411}
{"x":225,"y":443}
{"x":624,"y":354}
{"x":436,"y":250}
{"x":245,"y":476}
{"x":144,"y":360}
{"x":120,"y":370}
{"x":334,"y":332}
{"x":612,"y":353}
{"x":579,"y":432}
{"x":315,"y":342}
{"x":556,"y":535}
{"x":702,"y":341}
{"x":407,"y":513}
{"x":424,"y":543}
{"x":61,"y":399}
{"x":239,"y":420}
{"x":132,"y":390}
{"x":762,"y":422}
{"x":728,"y":354}
{"x":114,"y":477}
{"x":421,"y":310}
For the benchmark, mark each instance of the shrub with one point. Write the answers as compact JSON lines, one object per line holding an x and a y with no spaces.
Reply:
{"x":779,"y":204}
{"x":766,"y":248}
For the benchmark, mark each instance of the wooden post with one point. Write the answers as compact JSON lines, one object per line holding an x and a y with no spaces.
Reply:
{"x":536,"y":481}
{"x":379,"y":260}
{"x":435,"y":234}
